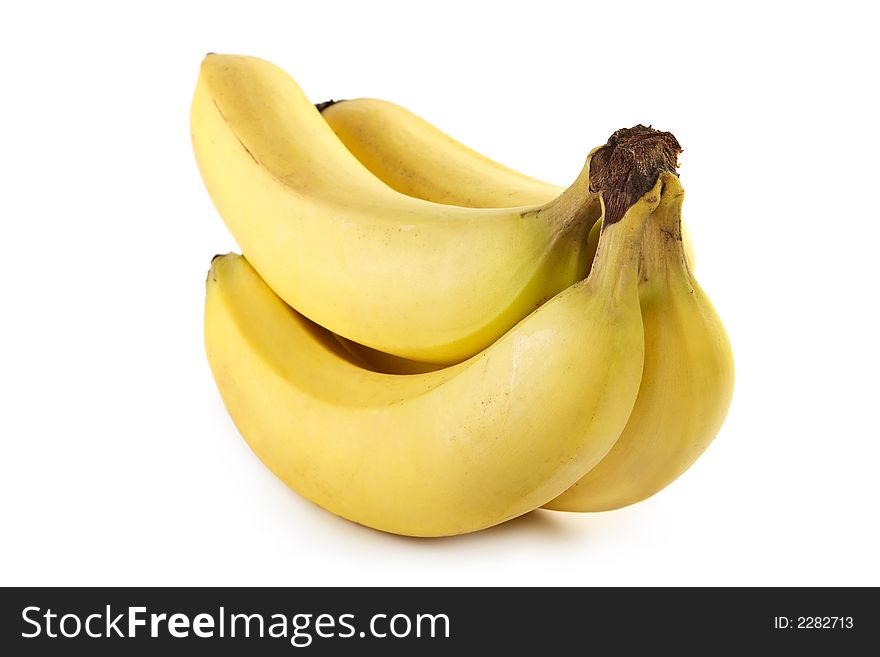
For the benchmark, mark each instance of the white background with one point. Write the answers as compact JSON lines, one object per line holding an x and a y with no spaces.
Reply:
{"x":118,"y":462}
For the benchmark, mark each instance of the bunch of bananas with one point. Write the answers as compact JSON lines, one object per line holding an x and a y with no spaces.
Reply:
{"x":425,"y":342}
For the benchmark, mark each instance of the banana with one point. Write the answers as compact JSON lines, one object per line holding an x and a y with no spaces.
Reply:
{"x":333,"y":241}
{"x":416,"y":158}
{"x":412,"y":156}
{"x":687,"y":382}
{"x":446,"y":452}
{"x":425,"y":281}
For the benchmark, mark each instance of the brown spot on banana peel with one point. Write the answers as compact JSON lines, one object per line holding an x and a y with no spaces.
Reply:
{"x":628,"y":165}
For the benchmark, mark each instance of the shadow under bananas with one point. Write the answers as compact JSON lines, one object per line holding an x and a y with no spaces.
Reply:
{"x":539,"y":525}
{"x":535,"y":524}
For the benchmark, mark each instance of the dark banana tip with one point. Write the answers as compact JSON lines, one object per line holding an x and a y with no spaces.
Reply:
{"x":212,"y":271}
{"x":628,"y":166}
{"x":327,"y":103}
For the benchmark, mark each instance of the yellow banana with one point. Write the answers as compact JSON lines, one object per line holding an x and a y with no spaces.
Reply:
{"x":238,"y":111}
{"x":416,"y":158}
{"x":412,"y":156}
{"x":450,"y":451}
{"x":688,"y":377}
{"x":425,"y":281}
{"x":687,"y":382}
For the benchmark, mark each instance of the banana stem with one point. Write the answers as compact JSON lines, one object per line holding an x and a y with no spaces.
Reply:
{"x":662,"y":245}
{"x":629,"y":174}
{"x":616,"y":265}
{"x":620,"y":172}
{"x":578,"y":204}
{"x":628,"y":166}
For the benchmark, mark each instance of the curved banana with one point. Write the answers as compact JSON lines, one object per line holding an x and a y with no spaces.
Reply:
{"x":688,"y":378}
{"x":416,"y":158}
{"x":687,"y":382}
{"x":337,"y":244}
{"x":446,"y":452}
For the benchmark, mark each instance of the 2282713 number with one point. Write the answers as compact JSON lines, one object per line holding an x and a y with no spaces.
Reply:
{"x":824,"y":622}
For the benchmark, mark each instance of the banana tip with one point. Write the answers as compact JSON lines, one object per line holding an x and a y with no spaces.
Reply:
{"x":327,"y":103}
{"x":215,"y":263}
